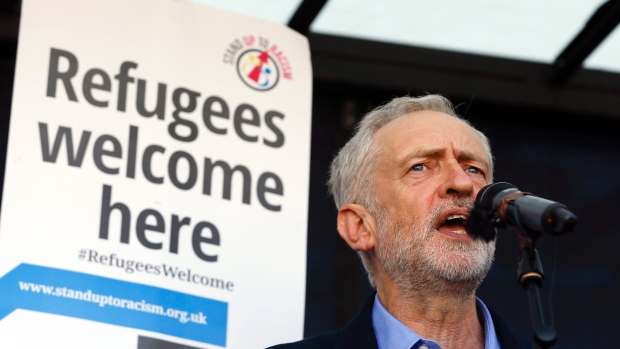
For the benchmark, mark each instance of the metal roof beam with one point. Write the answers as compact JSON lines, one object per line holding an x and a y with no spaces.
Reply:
{"x":305,"y":15}
{"x":602,"y":22}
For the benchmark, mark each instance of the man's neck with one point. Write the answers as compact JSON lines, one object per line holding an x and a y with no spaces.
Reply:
{"x":449,"y":319}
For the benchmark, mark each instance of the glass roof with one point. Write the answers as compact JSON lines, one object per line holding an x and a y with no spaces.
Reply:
{"x":279,"y":11}
{"x":527,"y":29}
{"x":607,"y":55}
{"x":530,"y":30}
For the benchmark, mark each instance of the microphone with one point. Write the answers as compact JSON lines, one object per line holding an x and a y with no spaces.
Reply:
{"x":502,"y":205}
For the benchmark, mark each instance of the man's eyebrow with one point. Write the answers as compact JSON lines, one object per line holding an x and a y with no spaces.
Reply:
{"x":422,"y":152}
{"x":471,"y":156}
{"x":432,"y":152}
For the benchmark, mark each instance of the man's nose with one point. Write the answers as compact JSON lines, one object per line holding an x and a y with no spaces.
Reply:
{"x":456,"y":181}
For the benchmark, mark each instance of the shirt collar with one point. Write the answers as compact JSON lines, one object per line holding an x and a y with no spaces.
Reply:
{"x":393,"y":334}
{"x":490,"y":337}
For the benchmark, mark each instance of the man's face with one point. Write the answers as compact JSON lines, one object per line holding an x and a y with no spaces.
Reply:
{"x":431,"y":167}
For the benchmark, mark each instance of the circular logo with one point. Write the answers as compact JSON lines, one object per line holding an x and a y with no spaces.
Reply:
{"x":258,"y":70}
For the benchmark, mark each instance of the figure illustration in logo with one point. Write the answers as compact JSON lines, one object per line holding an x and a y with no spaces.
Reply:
{"x":258,"y":70}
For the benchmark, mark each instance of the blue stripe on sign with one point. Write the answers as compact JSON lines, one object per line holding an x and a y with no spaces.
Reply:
{"x":111,"y":301}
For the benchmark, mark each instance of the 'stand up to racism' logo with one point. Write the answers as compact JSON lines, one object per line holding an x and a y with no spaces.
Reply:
{"x":259,"y":65}
{"x":258,"y":70}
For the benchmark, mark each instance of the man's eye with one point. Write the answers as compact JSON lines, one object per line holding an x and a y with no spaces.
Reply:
{"x":418,"y":167}
{"x":473,"y":170}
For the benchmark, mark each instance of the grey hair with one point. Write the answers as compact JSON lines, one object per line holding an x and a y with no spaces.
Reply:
{"x":352,"y":171}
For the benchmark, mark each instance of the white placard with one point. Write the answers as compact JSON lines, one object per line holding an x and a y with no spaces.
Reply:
{"x":156,"y":185}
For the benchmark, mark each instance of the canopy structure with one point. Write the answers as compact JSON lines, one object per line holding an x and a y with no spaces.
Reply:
{"x":554,"y":54}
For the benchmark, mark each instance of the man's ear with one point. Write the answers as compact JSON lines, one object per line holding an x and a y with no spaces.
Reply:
{"x":357,"y":227}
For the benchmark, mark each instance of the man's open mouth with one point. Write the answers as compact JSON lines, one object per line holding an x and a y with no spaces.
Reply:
{"x":454,"y":223}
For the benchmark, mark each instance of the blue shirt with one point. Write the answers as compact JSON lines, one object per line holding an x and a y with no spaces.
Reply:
{"x":393,"y":334}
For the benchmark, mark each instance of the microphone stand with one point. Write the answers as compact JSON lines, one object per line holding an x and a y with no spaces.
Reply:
{"x":497,"y":206}
{"x":530,"y":274}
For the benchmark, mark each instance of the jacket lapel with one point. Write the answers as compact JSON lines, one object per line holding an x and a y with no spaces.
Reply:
{"x":507,"y":338}
{"x":359,"y":333}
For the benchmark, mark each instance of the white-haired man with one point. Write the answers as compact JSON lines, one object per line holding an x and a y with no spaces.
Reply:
{"x":404,"y":185}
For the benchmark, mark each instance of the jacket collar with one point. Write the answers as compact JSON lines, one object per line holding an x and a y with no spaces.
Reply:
{"x":360,"y":334}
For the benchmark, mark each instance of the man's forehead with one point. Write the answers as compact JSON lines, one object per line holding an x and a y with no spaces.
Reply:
{"x":429,"y":132}
{"x":424,"y":119}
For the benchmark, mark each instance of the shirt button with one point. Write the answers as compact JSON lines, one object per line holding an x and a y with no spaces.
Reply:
{"x":424,"y":347}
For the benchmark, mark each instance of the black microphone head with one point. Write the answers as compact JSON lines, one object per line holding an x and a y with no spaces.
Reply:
{"x":485,"y":197}
{"x":481,"y":222}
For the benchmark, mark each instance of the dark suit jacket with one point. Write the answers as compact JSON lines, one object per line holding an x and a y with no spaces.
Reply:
{"x":359,"y":334}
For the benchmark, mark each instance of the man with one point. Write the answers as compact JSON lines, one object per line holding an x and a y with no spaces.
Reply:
{"x":404,"y":185}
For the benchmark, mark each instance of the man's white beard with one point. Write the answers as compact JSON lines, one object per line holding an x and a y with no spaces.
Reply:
{"x":418,"y":260}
